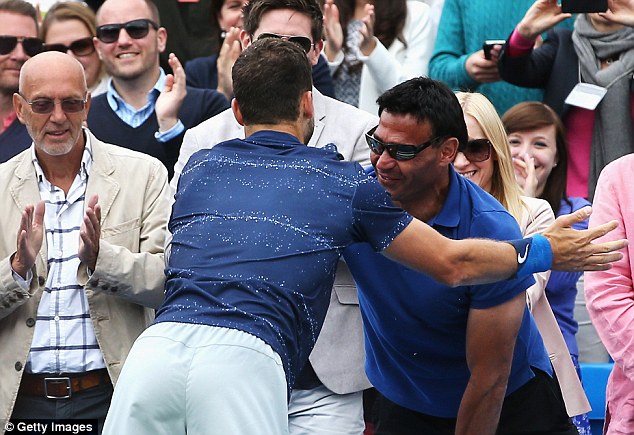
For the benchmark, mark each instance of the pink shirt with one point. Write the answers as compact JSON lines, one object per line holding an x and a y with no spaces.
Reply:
{"x":7,"y":120}
{"x":610,"y":294}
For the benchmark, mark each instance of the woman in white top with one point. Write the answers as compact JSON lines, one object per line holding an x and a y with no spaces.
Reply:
{"x":386,"y":43}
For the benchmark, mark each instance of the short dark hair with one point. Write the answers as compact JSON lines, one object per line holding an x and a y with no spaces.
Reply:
{"x":427,"y":100}
{"x":154,"y":12}
{"x":269,"y":79}
{"x":19,"y":7}
{"x":254,"y":10}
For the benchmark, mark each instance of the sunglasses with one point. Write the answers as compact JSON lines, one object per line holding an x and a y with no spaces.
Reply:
{"x":396,"y":150}
{"x":477,"y":150}
{"x":31,"y":46}
{"x":80,"y":47}
{"x":46,"y":105}
{"x":302,"y":41}
{"x":136,"y":29}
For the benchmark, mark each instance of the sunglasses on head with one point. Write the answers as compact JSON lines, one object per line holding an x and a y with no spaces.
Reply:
{"x":302,"y":41}
{"x":477,"y":150}
{"x":31,"y":46}
{"x":80,"y":47}
{"x":396,"y":150}
{"x":136,"y":29}
{"x":47,"y":105}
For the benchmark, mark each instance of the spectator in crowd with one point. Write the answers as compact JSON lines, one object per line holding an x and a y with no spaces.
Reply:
{"x":374,"y":45}
{"x":244,"y":308}
{"x":214,"y":72}
{"x":458,"y":58}
{"x":487,"y":162}
{"x":18,"y":42}
{"x":537,"y":140}
{"x":144,"y":109}
{"x":89,"y":252}
{"x":438,"y":329}
{"x":69,"y":27}
{"x":598,"y":52}
{"x":334,"y":379}
{"x":610,"y":294}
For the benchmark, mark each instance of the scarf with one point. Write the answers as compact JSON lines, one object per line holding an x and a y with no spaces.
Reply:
{"x":613,"y":135}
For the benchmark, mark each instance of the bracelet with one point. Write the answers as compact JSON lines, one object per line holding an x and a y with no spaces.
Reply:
{"x":533,"y":255}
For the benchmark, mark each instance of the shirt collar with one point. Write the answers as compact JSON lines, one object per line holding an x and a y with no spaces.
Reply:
{"x":114,"y":99}
{"x":84,"y":168}
{"x":449,"y":215}
{"x":8,"y":120}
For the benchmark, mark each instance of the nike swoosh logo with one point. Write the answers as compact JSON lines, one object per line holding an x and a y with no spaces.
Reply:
{"x":522,"y":258}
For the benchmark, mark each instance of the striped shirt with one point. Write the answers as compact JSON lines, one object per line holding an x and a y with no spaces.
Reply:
{"x":64,"y":340}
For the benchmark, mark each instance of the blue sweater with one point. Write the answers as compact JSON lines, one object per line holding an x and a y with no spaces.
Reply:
{"x":464,"y":26}
{"x":13,"y":140}
{"x":199,"y":105}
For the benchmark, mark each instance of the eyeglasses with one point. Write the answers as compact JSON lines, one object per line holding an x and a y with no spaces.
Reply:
{"x":31,"y":46}
{"x":477,"y":150}
{"x":136,"y":29}
{"x":46,"y":105}
{"x":80,"y":47}
{"x":396,"y":150}
{"x":302,"y":41}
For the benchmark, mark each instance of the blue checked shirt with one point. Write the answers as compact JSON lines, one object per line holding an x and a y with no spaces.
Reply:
{"x":135,"y":118}
{"x":64,"y":340}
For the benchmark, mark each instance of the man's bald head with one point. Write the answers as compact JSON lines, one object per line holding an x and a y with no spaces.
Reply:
{"x":51,"y":66}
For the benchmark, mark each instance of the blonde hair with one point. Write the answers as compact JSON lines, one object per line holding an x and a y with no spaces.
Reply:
{"x":504,"y":187}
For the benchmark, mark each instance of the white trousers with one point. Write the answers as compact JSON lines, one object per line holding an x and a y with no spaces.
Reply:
{"x":182,"y":378}
{"x":320,"y":411}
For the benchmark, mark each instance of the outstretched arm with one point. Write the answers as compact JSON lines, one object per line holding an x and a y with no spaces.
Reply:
{"x":479,"y":261}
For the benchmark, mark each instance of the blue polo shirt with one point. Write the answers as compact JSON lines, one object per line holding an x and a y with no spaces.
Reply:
{"x":415,"y":328}
{"x":258,"y":226}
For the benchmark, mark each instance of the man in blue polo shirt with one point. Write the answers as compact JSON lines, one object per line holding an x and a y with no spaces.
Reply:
{"x":258,"y":226}
{"x":447,"y":361}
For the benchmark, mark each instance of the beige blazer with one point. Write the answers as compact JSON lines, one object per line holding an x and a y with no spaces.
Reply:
{"x":535,"y":220}
{"x":339,"y":355}
{"x":134,"y":196}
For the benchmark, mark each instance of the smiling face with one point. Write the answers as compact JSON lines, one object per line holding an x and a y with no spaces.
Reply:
{"x":12,"y":24}
{"x":480,"y":173}
{"x":410,"y":182}
{"x":541,"y":145}
{"x":128,"y":58}
{"x":66,"y":32}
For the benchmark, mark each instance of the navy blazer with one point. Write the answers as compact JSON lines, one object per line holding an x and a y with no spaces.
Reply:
{"x":202,"y":73}
{"x":553,"y":67}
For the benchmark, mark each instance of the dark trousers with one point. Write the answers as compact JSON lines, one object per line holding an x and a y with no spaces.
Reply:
{"x":88,"y":404}
{"x":535,"y":408}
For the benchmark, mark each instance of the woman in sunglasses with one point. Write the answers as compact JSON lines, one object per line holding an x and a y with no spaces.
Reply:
{"x":486,"y":160}
{"x":373,"y":45}
{"x":537,"y":140}
{"x":69,"y":27}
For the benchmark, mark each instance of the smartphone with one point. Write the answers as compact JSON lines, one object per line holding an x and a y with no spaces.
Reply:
{"x":488,"y":45}
{"x":584,"y":6}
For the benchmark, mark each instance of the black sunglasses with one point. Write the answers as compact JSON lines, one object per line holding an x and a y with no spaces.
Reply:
{"x":80,"y":47}
{"x":136,"y":29}
{"x":31,"y":46}
{"x":302,"y":41}
{"x":477,"y":150}
{"x":396,"y":150}
{"x":46,"y":105}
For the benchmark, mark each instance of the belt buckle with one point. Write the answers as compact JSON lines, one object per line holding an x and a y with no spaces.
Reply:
{"x":65,"y":380}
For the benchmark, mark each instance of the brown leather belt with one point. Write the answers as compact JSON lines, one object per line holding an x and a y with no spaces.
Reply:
{"x":54,"y":386}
